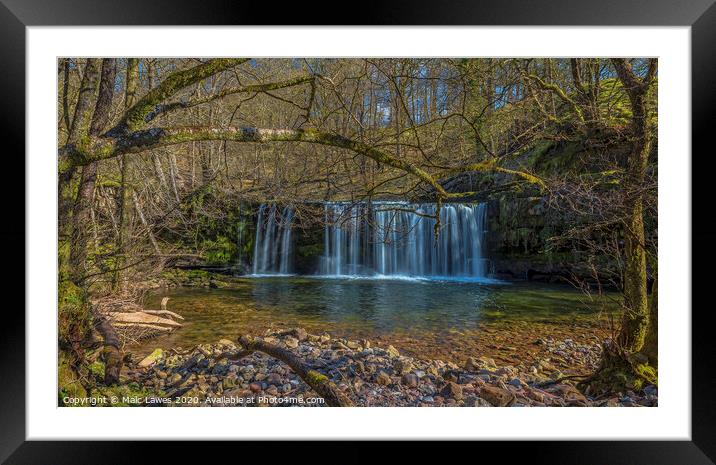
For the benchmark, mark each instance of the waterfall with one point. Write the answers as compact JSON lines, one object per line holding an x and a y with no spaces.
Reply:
{"x":398,"y":239}
{"x":272,"y":246}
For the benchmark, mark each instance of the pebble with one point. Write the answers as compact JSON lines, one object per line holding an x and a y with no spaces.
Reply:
{"x":451,"y":390}
{"x":410,"y":380}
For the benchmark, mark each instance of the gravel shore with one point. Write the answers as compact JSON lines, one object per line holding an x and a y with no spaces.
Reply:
{"x":213,"y":375}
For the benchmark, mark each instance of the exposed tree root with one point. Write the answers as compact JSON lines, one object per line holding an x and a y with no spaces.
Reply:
{"x":320,"y":383}
{"x":619,"y":371}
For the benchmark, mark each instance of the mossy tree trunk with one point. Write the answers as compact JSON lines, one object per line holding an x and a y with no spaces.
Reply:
{"x":651,"y":343}
{"x":85,"y":193}
{"x":635,"y":322}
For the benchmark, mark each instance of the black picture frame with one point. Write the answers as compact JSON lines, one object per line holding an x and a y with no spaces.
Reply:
{"x":16,"y":15}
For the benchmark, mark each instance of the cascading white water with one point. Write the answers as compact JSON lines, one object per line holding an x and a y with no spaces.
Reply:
{"x":272,"y":247}
{"x":398,"y":239}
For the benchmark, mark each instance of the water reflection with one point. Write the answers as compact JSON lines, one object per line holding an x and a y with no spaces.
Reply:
{"x":422,"y":311}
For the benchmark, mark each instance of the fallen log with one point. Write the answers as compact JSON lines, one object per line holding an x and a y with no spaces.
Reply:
{"x":144,"y":318}
{"x":144,"y":325}
{"x":320,"y":383}
{"x":110,"y":353}
{"x":164,"y":312}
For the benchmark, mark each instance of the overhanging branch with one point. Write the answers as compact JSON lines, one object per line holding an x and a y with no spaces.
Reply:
{"x":102,"y":148}
{"x":136,"y":117}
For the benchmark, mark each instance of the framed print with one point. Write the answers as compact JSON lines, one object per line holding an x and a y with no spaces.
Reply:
{"x":403,"y":231}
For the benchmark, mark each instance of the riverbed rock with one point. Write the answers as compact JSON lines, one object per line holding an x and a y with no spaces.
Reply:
{"x":392,"y":351}
{"x":410,"y":380}
{"x":402,"y":365}
{"x":472,"y":364}
{"x":255,"y":387}
{"x":151,"y":359}
{"x":451,"y":390}
{"x":570,"y":394}
{"x":496,"y":396}
{"x":383,"y":378}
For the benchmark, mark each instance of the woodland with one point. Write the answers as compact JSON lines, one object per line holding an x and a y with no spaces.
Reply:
{"x":202,"y":175}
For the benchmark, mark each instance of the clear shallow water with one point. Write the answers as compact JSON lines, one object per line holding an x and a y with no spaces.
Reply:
{"x":426,"y":317}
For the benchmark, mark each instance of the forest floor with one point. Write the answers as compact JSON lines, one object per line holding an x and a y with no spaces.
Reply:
{"x":214,"y":375}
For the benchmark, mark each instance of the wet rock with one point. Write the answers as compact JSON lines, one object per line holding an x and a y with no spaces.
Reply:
{"x":498,"y":397}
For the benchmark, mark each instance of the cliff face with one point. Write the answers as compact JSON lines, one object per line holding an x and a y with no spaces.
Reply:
{"x":518,"y":232}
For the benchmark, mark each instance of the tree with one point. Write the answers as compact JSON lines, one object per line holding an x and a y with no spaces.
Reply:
{"x":590,"y":114}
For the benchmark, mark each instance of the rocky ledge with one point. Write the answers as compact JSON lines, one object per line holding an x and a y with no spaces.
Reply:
{"x":214,"y":374}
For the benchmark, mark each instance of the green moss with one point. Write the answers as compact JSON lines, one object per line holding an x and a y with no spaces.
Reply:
{"x":73,"y":313}
{"x":219,"y":251}
{"x":315,"y":378}
{"x":68,"y":383}
{"x":647,"y":375}
{"x":558,"y":158}
{"x":123,"y":391}
{"x":151,"y":358}
{"x":619,"y":373}
{"x":97,"y":369}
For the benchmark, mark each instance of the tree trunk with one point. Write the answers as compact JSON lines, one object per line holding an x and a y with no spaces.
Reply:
{"x":130,"y":96}
{"x":651,"y":343}
{"x":152,"y":239}
{"x":635,"y":321}
{"x":85,"y":194}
